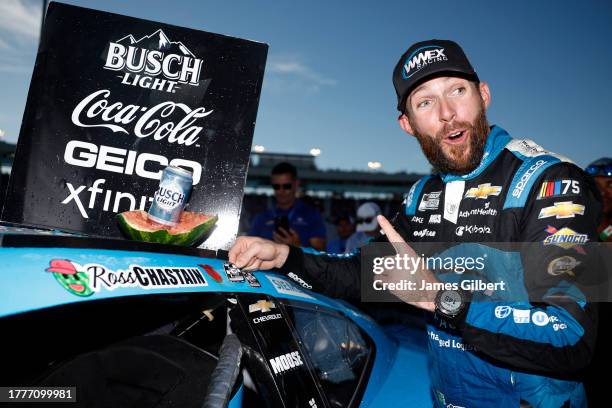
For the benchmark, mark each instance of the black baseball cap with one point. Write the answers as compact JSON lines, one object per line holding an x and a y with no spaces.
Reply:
{"x":427,"y":59}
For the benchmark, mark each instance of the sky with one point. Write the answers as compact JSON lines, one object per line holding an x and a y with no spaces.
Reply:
{"x":328,"y":74}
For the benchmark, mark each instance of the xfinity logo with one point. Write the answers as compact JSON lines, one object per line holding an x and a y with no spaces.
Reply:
{"x":422,"y":57}
{"x":520,"y":186}
{"x":286,"y":362}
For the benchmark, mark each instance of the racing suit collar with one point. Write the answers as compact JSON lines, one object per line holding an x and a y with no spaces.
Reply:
{"x":497,"y":139}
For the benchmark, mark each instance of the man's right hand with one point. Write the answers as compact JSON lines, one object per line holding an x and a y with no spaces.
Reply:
{"x":254,"y":253}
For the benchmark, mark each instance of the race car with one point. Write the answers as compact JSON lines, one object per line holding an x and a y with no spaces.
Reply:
{"x":132,"y":324}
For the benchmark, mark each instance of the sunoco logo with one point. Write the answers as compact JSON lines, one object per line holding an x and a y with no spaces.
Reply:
{"x":154,"y":55}
{"x":421,"y":58}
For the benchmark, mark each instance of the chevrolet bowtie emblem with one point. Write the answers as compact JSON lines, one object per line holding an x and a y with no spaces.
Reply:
{"x":565,"y":209}
{"x":483,"y":191}
{"x":262,"y":306}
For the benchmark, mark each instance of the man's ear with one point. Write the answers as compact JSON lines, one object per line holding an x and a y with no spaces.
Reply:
{"x":405,"y":124}
{"x":485,"y":93}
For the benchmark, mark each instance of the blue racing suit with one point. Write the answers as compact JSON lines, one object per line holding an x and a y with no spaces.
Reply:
{"x":506,"y":352}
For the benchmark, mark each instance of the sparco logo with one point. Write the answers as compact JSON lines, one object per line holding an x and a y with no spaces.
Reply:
{"x":520,"y":186}
{"x":286,"y":362}
{"x":151,"y":56}
{"x":422,"y":57}
{"x":299,"y":280}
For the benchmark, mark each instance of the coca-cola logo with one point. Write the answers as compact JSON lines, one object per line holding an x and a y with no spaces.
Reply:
{"x":96,"y":111}
{"x":144,"y":61}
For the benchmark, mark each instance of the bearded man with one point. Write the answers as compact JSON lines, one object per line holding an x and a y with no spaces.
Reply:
{"x":523,"y":349}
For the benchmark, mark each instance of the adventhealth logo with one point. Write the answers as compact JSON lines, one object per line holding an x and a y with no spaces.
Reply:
{"x":422,"y":57}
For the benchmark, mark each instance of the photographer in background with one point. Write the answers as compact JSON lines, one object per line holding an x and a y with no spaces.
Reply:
{"x":290,"y":221}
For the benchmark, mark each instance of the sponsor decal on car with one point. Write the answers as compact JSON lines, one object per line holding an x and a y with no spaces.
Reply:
{"x":286,"y":287}
{"x":71,"y":276}
{"x":233,"y":273}
{"x":212,"y":273}
{"x":557,"y":188}
{"x":483,"y":191}
{"x":251,"y":279}
{"x":565,"y":209}
{"x":299,"y":280}
{"x":286,"y":362}
{"x":264,"y":306}
{"x":566,"y":238}
{"x":99,"y":277}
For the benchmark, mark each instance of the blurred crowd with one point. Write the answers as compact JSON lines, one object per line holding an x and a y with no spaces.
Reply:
{"x":338,"y":225}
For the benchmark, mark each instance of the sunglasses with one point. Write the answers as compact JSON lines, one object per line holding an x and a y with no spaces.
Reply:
{"x":600,"y":170}
{"x":364,"y":220}
{"x":284,"y":186}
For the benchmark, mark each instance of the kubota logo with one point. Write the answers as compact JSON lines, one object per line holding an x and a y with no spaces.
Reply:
{"x":421,"y":58}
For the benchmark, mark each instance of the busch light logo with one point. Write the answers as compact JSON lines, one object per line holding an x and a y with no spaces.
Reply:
{"x":421,"y":58}
{"x":144,"y":61}
{"x":167,"y":197}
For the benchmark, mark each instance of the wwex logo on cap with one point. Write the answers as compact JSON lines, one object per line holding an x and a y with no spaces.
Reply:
{"x":428,"y":59}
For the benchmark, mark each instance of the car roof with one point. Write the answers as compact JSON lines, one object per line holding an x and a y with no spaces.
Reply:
{"x":42,"y":268}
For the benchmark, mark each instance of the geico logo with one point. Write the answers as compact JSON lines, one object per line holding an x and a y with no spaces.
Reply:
{"x":113,"y":159}
{"x":153,"y":62}
{"x":266,"y":318}
{"x":286,"y":362}
{"x":520,"y":186}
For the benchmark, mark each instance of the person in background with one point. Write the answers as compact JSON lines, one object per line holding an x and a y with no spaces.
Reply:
{"x":367,"y":226}
{"x":345,"y":228}
{"x":290,"y":221}
{"x":601,"y":170}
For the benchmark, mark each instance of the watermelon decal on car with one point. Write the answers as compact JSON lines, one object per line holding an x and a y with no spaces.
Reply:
{"x":190,"y":230}
{"x":71,"y":279}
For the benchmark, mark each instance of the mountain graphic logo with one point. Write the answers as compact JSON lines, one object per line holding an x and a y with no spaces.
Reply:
{"x":145,"y":59}
{"x":157,"y":41}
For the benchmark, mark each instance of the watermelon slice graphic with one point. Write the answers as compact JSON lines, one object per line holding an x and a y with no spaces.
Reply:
{"x":190,"y":230}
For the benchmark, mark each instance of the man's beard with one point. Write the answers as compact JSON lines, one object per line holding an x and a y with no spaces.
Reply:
{"x":432,"y":146}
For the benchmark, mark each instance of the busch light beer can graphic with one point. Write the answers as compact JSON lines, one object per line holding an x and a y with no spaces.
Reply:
{"x":171,"y":196}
